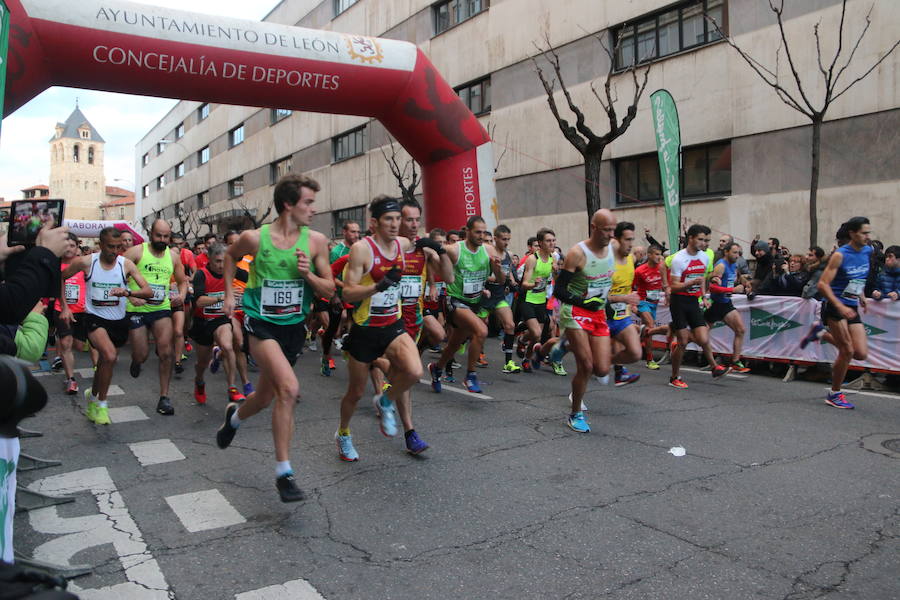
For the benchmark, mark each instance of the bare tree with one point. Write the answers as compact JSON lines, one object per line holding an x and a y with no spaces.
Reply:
{"x":799,"y":99}
{"x":581,"y":136}
{"x":492,"y":131}
{"x":250,"y":214}
{"x":406,"y":175}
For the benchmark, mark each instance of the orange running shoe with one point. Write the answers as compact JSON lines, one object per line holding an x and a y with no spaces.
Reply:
{"x":200,"y":392}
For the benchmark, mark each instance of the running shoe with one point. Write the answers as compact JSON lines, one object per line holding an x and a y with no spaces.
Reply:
{"x":455,"y":365}
{"x":653,"y":365}
{"x":558,"y":369}
{"x":326,"y":368}
{"x":91,"y":408}
{"x":164,"y":406}
{"x":577,"y":422}
{"x":526,"y":366}
{"x":415,"y":444}
{"x":226,"y":432}
{"x":331,"y":363}
{"x":448,"y":377}
{"x":471,"y":383}
{"x":435,"y":377}
{"x":387,"y":415}
{"x":837,"y":400}
{"x":57,"y":364}
{"x":463,"y":348}
{"x":251,"y":364}
{"x":719,"y":371}
{"x":184,"y":357}
{"x":101,"y":415}
{"x":179,"y":368}
{"x":511,"y":367}
{"x":482,"y":362}
{"x":678,"y":382}
{"x":248,"y":388}
{"x":288,"y":490}
{"x":234,"y":395}
{"x":345,"y":447}
{"x":623,"y":377}
{"x":200,"y":392}
{"x":738,"y":367}
{"x":135,"y":369}
{"x":435,"y":350}
{"x":813,"y":334}
{"x":188,"y":347}
{"x":71,"y":387}
{"x":521,"y":347}
{"x":312,"y":346}
{"x":216,"y":362}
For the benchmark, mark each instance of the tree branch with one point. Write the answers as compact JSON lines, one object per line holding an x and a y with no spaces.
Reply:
{"x":568,"y":131}
{"x":787,"y":52}
{"x":864,"y":75}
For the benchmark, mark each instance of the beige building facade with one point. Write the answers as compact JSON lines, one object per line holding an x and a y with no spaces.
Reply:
{"x":76,"y":167}
{"x":746,"y":158}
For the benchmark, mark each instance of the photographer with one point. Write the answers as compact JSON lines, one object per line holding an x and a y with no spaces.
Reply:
{"x":29,"y":276}
{"x":815,"y":265}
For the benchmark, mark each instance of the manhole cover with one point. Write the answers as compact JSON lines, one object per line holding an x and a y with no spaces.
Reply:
{"x":883,"y":443}
{"x":892,"y":445}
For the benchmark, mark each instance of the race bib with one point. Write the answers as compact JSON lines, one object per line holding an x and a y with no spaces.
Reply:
{"x":620,"y":310}
{"x":215,"y":310}
{"x":440,"y":286}
{"x":694,"y":282}
{"x":654,"y":295}
{"x":385,"y":303}
{"x":159,"y":294}
{"x":73,"y":293}
{"x":473,"y":283}
{"x":598,"y":288}
{"x":100,"y":294}
{"x":410,"y":288}
{"x":279,"y":297}
{"x":854,"y":289}
{"x":540,"y":284}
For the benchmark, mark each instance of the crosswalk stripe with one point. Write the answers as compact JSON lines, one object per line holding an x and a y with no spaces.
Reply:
{"x":201,"y":511}
{"x":155,"y":452}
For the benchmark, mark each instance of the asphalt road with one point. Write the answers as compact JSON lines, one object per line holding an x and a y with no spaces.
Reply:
{"x":777,"y":495}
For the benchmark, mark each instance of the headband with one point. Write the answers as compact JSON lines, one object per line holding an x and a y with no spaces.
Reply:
{"x":385,"y":207}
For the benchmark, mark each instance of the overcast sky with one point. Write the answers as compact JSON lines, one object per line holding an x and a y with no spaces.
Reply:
{"x":120,"y":119}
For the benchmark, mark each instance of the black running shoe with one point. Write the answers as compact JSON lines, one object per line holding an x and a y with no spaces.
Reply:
{"x":179,"y":368}
{"x":226,"y":432}
{"x":288,"y":490}
{"x":164,"y":406}
{"x":135,"y":369}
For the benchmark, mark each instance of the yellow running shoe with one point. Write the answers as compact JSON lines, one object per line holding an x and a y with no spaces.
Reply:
{"x":101,"y":415}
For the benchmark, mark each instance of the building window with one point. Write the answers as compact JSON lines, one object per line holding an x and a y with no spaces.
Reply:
{"x":145,"y":160}
{"x":477,"y":95}
{"x":203,"y":155}
{"x":279,"y":169}
{"x":122,"y":213}
{"x":179,"y":131}
{"x":145,"y":191}
{"x":160,"y":182}
{"x":660,"y":34}
{"x":179,"y":170}
{"x":342,"y":5}
{"x":202,"y":112}
{"x":76,"y":151}
{"x":339,"y":217}
{"x":348,"y":145}
{"x":91,"y":155}
{"x":85,"y":134}
{"x":280,"y":113}
{"x":160,"y":147}
{"x":452,"y":12}
{"x":202,"y":200}
{"x":706,"y":171}
{"x":236,"y":187}
{"x":236,"y":136}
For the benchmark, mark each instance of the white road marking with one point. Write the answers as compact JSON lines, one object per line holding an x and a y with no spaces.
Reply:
{"x":40,"y":373}
{"x":115,"y":390}
{"x":113,"y":525}
{"x":449,"y":388}
{"x":124,"y":414}
{"x":199,"y":511}
{"x":298,"y":589}
{"x":86,"y":373}
{"x":735,"y":375}
{"x":876,"y":394}
{"x":156,"y":452}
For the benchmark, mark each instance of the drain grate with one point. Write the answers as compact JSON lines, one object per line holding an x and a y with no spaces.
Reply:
{"x":887,"y":444}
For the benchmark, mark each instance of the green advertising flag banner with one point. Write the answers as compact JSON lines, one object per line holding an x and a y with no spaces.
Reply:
{"x":4,"y":46}
{"x":668,"y":147}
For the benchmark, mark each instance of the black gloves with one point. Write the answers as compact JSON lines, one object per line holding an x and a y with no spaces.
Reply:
{"x":430,"y":243}
{"x":390,"y":278}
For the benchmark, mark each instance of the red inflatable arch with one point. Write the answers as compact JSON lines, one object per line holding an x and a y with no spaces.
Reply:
{"x":134,"y":48}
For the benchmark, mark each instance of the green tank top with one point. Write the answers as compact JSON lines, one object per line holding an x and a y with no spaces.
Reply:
{"x":469,"y":274}
{"x":275,"y":290}
{"x":541,"y":277}
{"x":158,"y":273}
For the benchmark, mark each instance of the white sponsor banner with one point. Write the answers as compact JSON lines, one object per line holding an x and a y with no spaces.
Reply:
{"x":776,"y":324}
{"x":163,"y":23}
{"x":92,"y":229}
